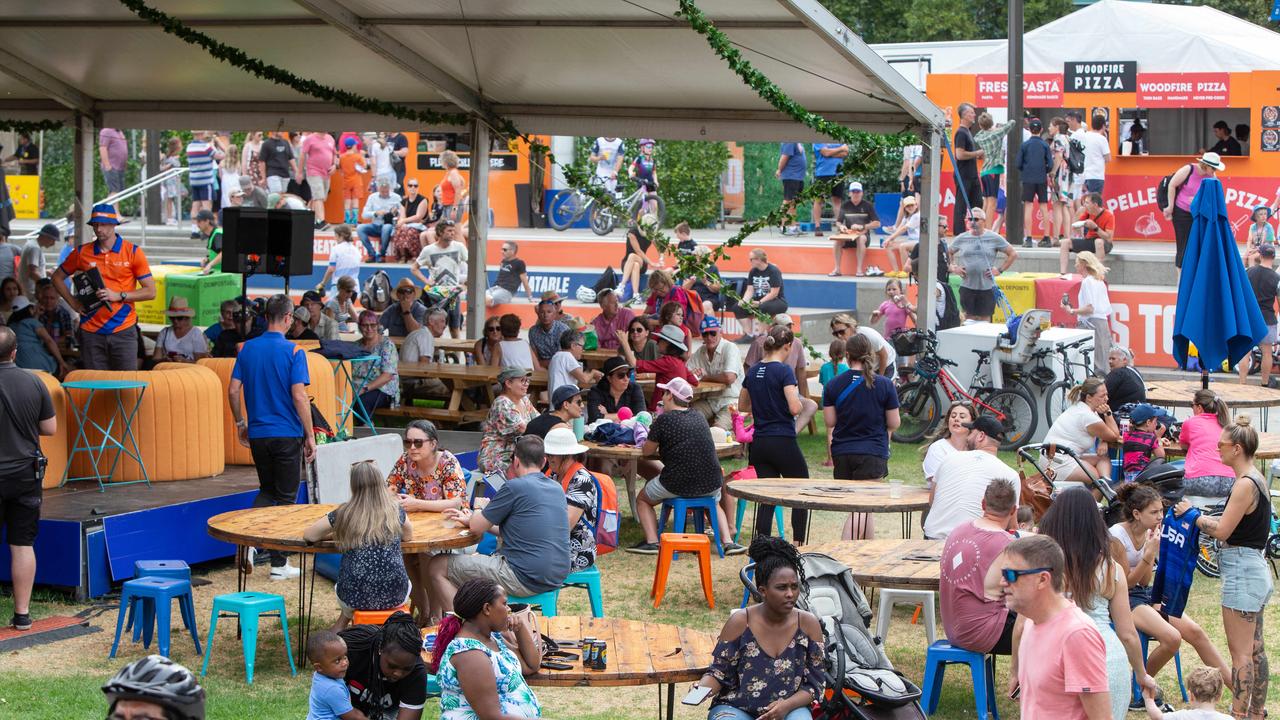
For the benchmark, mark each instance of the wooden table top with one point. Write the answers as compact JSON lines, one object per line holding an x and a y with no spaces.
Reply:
{"x":630,"y":452}
{"x":1178,"y":393}
{"x":479,"y":374}
{"x":468,"y":346}
{"x":886,"y":562}
{"x":1268,"y":447}
{"x":838,"y":495}
{"x":640,"y":653}
{"x":281,"y":527}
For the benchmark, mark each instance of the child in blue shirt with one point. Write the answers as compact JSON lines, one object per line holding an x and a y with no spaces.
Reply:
{"x":830,"y":370}
{"x":330,"y":699}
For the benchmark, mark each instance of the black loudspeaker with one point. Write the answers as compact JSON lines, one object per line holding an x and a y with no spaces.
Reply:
{"x":290,"y":242}
{"x":244,"y":238}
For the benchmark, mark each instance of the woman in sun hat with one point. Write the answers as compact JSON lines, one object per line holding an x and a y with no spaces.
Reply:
{"x":670,"y":362}
{"x":180,"y":341}
{"x":1182,"y":190}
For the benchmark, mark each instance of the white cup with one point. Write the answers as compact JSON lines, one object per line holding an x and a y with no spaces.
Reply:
{"x":895,"y":488}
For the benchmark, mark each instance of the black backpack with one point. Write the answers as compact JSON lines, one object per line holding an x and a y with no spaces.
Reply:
{"x":1075,"y":156}
{"x":1162,"y":190}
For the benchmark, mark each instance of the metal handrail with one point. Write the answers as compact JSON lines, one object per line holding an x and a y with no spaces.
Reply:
{"x":131,"y":191}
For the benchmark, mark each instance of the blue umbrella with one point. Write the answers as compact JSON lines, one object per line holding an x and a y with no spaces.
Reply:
{"x":1217,"y":309}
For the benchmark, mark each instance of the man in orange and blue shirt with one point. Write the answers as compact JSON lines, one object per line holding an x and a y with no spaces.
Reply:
{"x":109,"y":336}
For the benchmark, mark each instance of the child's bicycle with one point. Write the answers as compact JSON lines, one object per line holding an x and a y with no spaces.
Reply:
{"x":1207,"y":560}
{"x":921,"y":409}
{"x":639,"y":202}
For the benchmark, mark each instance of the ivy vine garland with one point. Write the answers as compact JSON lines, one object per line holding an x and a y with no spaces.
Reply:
{"x":29,"y":127}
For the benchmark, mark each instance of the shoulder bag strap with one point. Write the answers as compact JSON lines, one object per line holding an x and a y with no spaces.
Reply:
{"x":849,"y":390}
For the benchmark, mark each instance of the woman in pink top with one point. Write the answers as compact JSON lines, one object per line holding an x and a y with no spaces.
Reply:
{"x":1205,"y":474}
{"x":1182,"y":190}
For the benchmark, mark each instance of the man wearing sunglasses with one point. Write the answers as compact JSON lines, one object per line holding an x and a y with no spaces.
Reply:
{"x":973,"y":255}
{"x":721,"y":362}
{"x":1063,"y":670}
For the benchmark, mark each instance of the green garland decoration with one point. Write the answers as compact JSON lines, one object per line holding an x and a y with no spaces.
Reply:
{"x":29,"y":127}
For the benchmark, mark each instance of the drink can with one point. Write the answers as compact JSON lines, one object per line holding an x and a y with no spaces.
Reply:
{"x":602,"y":662}
{"x":589,"y":654}
{"x":586,"y":644}
{"x":429,"y":642}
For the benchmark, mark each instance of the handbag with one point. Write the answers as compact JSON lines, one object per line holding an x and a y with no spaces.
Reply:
{"x":1036,"y":490}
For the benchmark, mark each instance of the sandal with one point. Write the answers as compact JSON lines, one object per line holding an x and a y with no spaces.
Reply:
{"x":834,"y":273}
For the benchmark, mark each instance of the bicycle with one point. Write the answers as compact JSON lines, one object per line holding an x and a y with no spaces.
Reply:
{"x":1055,"y":398}
{"x":921,"y":411}
{"x":1207,"y":559}
{"x":569,"y":205}
{"x":1011,"y":375}
{"x":603,"y":219}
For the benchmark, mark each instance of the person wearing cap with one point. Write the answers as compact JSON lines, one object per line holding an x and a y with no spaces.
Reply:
{"x":854,"y":225}
{"x":1099,"y":225}
{"x":407,"y":313}
{"x":446,"y":262}
{"x":762,"y":294}
{"x":1261,"y":232}
{"x":301,"y":327}
{"x":244,"y":326}
{"x":109,"y":334}
{"x":612,"y":318}
{"x":903,"y":239}
{"x":1266,"y":283}
{"x":717,"y":361}
{"x":509,"y":416}
{"x":180,"y":341}
{"x":325,"y":327}
{"x":379,"y":217}
{"x":1141,"y":441}
{"x":254,"y":196}
{"x":544,"y":335}
{"x":207,"y":224}
{"x":1183,"y":186}
{"x":566,"y":406}
{"x":681,"y":439}
{"x":31,"y":268}
{"x":669,"y":364}
{"x":962,"y":479}
{"x":972,"y":254}
{"x":36,"y":348}
{"x":9,"y":254}
{"x":1035,"y":161}
{"x":564,"y":465}
{"x":566,"y":368}
{"x":616,"y":390}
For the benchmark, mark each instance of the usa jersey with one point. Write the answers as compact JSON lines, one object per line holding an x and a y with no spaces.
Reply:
{"x":1179,"y":548}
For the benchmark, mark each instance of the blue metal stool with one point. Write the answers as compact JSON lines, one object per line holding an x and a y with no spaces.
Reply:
{"x":249,"y":606}
{"x":547,"y":601}
{"x":156,"y":594}
{"x":175,"y":569}
{"x":983,"y":667}
{"x":702,"y":506}
{"x":742,"y":511}
{"x":589,"y":579}
{"x":1135,"y":691}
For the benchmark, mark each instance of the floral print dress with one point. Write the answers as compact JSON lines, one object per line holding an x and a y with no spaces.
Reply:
{"x":750,"y":680}
{"x":448,"y":481}
{"x":514,"y":694}
{"x":505,"y":425}
{"x":388,"y":361}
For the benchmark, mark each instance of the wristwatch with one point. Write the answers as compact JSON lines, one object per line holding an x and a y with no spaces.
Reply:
{"x":124,"y":296}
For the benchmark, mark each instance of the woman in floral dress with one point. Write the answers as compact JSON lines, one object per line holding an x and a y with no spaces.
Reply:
{"x":511,"y":411}
{"x":378,"y":380}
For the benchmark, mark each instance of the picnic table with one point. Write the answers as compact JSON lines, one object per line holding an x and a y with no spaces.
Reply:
{"x":460,"y":408}
{"x":909,"y":564}
{"x":591,"y":358}
{"x":630,"y":456}
{"x":871,"y":496}
{"x":280,"y":527}
{"x":640,"y":653}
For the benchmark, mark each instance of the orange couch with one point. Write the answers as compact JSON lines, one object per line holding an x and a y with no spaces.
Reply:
{"x":56,"y":446}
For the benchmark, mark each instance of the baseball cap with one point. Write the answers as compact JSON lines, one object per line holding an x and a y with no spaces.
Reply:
{"x":20,"y":302}
{"x":51,"y":230}
{"x":206,"y":215}
{"x":302,"y":314}
{"x":855,"y":186}
{"x":615,"y":364}
{"x":1034,"y":125}
{"x":1143,"y":412}
{"x":782,"y":319}
{"x":349,"y":142}
{"x":312,"y":296}
{"x":678,"y":387}
{"x":563,"y":394}
{"x":511,"y":373}
{"x":709,"y":323}
{"x":987,"y":425}
{"x":246,"y":182}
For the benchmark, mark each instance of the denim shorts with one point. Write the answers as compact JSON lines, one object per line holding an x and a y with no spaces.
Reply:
{"x":1246,"y":579}
{"x":1211,"y":486}
{"x":729,"y":712}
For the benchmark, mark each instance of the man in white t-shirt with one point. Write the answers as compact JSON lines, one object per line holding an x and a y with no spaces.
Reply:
{"x":1097,"y":152}
{"x":607,"y":155}
{"x":446,"y":261}
{"x":565,"y":367}
{"x":420,"y":346}
{"x":31,"y":262}
{"x":962,"y":479}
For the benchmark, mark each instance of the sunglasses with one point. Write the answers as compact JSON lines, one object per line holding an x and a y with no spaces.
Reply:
{"x":636,"y":330}
{"x":416,"y":443}
{"x":839,"y":333}
{"x":620,"y":375}
{"x":1011,"y":576}
{"x":413,"y":184}
{"x":971,"y":221}
{"x":492,"y":328}
{"x":710,"y":333}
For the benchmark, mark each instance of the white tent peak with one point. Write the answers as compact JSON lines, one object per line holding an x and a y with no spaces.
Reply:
{"x":1162,"y":38}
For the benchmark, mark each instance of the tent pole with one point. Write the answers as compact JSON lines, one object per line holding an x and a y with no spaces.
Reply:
{"x":83,"y":168}
{"x":930,"y":202}
{"x":478,"y":234}
{"x":1014,"y":222}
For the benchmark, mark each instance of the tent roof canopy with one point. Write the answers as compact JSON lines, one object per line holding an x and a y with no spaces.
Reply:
{"x":1162,"y":38}
{"x":567,"y":67}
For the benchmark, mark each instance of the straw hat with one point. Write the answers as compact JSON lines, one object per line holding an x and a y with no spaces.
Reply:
{"x":178,"y":307}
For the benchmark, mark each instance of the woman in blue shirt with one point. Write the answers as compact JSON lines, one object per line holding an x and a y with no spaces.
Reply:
{"x":771,"y":395}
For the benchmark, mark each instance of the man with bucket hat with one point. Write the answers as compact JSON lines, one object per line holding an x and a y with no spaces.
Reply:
{"x":109,"y":330}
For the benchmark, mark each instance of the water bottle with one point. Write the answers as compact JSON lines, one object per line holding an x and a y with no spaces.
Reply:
{"x":579,"y":427}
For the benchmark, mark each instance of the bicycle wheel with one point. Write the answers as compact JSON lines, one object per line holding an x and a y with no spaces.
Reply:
{"x":1207,"y":558}
{"x":601,"y":219}
{"x":1055,"y":400}
{"x":656,"y":206}
{"x":1019,"y":416}
{"x":566,"y":207}
{"x":919,"y":410}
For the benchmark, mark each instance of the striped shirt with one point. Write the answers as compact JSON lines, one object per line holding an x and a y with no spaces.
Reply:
{"x":122,"y":268}
{"x":201,"y":161}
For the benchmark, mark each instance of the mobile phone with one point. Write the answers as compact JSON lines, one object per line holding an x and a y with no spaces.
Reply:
{"x":1066,"y":299}
{"x":1016,"y":692}
{"x":696,"y":695}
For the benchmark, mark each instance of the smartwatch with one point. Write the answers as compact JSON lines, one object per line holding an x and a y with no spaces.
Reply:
{"x":124,"y":296}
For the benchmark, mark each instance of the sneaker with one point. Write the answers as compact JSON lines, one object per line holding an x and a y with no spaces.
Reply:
{"x":1028,"y":242}
{"x":791,"y":231}
{"x":626,"y":293}
{"x":195,"y":234}
{"x":817,"y":233}
{"x":1274,"y":383}
{"x":1046,"y":243}
{"x":734,"y":548}
{"x":246,"y":565}
{"x":285,"y":572}
{"x":644,"y":548}
{"x":321,"y":225}
{"x":21,"y":622}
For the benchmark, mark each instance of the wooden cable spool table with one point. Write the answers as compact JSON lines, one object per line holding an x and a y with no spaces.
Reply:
{"x":629,"y":456}
{"x":280,"y":528}
{"x":908,"y":564}
{"x":640,"y":653}
{"x":868,"y":496}
{"x":1178,"y":393}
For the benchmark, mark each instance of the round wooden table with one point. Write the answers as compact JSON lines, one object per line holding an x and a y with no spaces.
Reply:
{"x":871,"y":496}
{"x":1268,"y":448}
{"x":640,"y":653}
{"x":1178,"y":393}
{"x":629,"y":456}
{"x":909,"y":564}
{"x":280,"y":528}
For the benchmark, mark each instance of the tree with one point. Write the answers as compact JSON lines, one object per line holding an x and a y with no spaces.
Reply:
{"x":1257,"y":12}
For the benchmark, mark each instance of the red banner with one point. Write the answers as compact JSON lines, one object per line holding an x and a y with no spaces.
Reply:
{"x":1038,"y":90}
{"x":1179,"y":90}
{"x":1133,"y":200}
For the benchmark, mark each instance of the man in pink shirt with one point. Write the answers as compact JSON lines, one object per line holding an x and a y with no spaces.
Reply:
{"x":611,"y":319}
{"x":319,"y":159}
{"x":974,"y":615}
{"x":1062,"y":668}
{"x":113,"y":153}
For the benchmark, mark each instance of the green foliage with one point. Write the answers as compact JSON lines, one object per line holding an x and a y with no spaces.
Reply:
{"x":58,"y":180}
{"x":764,"y":191}
{"x":1255,"y":11}
{"x":688,"y":176}
{"x":933,"y":20}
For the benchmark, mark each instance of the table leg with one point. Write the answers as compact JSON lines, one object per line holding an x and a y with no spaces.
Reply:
{"x":629,"y":472}
{"x":81,"y":441}
{"x":671,"y":699}
{"x":906,"y":525}
{"x":127,"y":434}
{"x":304,"y":620}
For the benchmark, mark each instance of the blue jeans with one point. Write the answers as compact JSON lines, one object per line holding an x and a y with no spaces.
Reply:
{"x":728,"y":712}
{"x":367,"y":229}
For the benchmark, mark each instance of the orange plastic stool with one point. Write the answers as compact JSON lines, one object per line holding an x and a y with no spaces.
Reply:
{"x":376,"y":617}
{"x":670,"y":544}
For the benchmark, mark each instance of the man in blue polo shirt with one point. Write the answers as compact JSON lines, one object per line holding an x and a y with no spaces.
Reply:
{"x":271,"y":375}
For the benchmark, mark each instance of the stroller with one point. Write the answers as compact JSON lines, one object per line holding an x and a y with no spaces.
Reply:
{"x":861,"y":683}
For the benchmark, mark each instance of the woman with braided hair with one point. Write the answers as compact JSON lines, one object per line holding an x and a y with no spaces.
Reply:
{"x":480,"y":676}
{"x":386,"y":675}
{"x":768,"y":661}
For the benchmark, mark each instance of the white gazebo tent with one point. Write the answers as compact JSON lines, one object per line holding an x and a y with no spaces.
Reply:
{"x":568,"y":67}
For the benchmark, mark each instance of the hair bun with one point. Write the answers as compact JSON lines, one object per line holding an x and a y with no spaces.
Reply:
{"x":1243,"y":421}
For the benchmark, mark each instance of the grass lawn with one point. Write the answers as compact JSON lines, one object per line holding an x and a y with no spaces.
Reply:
{"x":61,"y":680}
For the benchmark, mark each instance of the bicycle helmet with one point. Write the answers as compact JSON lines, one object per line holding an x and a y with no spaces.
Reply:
{"x":158,"y":679}
{"x":586,"y":294}
{"x":646,"y":141}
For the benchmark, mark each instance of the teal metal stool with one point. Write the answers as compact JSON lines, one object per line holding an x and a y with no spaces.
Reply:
{"x":702,"y":506}
{"x":249,"y":606}
{"x":153,"y":596}
{"x":742,"y":512}
{"x":547,"y":601}
{"x":589,"y":579}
